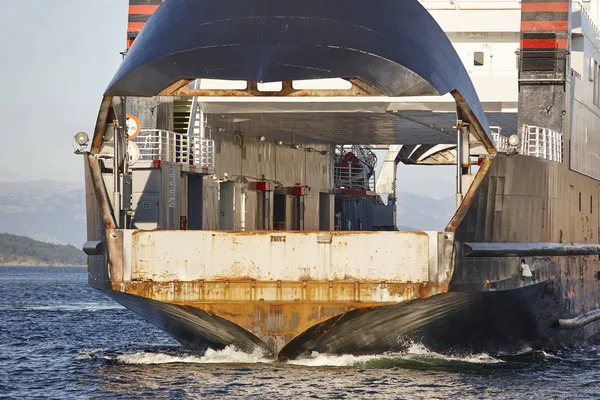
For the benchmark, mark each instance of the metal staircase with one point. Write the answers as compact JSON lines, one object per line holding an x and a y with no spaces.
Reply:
{"x":199,"y":150}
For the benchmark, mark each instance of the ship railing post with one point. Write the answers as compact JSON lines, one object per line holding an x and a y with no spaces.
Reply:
{"x":159,"y":140}
{"x":174,"y":139}
{"x":168,"y":145}
{"x":116,"y":173}
{"x":202,"y":150}
{"x":459,"y":156}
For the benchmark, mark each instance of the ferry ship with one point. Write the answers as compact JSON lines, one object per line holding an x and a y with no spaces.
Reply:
{"x":234,"y":197}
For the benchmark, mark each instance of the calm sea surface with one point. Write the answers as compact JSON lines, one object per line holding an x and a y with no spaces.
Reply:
{"x":60,"y":339}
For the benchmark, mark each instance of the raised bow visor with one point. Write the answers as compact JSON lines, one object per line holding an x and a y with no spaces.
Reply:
{"x":383,"y":43}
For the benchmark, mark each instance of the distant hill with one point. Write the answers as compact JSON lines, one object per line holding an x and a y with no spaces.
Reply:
{"x":54,"y":211}
{"x":46,"y":210}
{"x":423,"y":213}
{"x":19,"y":250}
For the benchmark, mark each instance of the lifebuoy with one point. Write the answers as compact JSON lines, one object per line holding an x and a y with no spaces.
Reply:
{"x":133,"y":126}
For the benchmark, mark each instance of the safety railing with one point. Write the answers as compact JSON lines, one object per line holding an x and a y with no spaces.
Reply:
{"x":551,"y":61}
{"x":352,"y":176}
{"x":500,"y":140}
{"x":542,"y":67}
{"x":543,"y":143}
{"x":204,"y":154}
{"x":163,"y":145}
{"x":158,"y":144}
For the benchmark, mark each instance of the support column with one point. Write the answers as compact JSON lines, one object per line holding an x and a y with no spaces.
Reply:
{"x":386,"y":181}
{"x":459,"y":196}
{"x":463,"y":161}
{"x":119,"y":161}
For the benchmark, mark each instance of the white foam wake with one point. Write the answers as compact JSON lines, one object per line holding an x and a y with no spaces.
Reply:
{"x":231,"y":355}
{"x":228,"y":355}
{"x":415,"y":351}
{"x":330,"y":360}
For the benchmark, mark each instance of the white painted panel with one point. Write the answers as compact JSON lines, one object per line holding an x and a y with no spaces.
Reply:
{"x":191,"y":255}
{"x":479,"y":20}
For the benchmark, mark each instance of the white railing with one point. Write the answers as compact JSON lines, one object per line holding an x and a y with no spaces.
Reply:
{"x":542,"y":142}
{"x":352,"y":176}
{"x":158,"y":144}
{"x":163,"y":145}
{"x":500,"y":141}
{"x":204,"y":153}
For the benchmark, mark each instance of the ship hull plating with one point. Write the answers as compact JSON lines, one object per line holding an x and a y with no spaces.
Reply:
{"x":487,"y":305}
{"x":456,"y":322}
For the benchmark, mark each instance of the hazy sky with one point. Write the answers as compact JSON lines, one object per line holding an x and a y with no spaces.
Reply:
{"x":58,"y":56}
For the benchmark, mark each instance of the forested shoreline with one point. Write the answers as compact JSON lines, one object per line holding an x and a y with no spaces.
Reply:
{"x":23,"y":251}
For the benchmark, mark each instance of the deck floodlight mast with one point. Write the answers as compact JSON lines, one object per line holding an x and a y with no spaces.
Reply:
{"x":80,"y":142}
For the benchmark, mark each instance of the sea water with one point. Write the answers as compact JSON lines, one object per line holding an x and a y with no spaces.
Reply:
{"x":60,"y":339}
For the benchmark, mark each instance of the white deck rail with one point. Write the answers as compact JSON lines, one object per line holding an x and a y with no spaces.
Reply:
{"x":168,"y":146}
{"x":543,"y":143}
{"x":158,"y":144}
{"x":204,"y":153}
{"x":500,"y":140}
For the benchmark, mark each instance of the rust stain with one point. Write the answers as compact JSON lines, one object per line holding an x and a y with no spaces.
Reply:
{"x":472,"y":119}
{"x":359,"y":88}
{"x":175,"y":88}
{"x":335,"y":234}
{"x":279,"y":308}
{"x":103,"y":115}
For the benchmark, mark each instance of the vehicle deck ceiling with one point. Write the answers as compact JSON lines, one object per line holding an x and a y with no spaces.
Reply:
{"x":403,"y":127}
{"x":279,"y":40}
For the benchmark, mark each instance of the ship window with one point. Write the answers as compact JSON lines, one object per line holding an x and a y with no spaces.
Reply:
{"x":579,"y":201}
{"x":478,"y":58}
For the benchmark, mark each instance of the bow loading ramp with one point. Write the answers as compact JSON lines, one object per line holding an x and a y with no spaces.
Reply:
{"x":223,"y":115}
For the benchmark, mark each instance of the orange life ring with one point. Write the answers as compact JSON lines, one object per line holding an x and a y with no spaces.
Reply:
{"x":134,"y":126}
